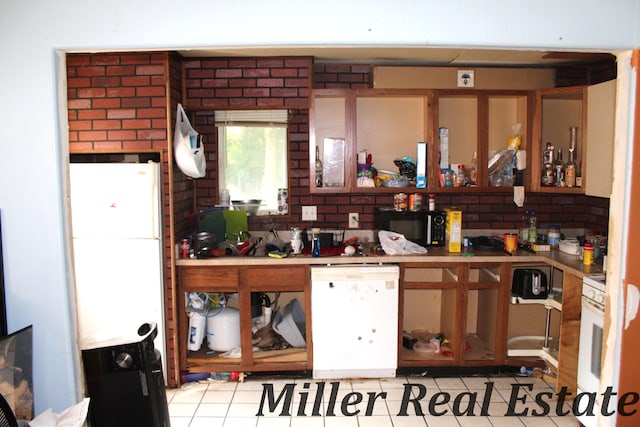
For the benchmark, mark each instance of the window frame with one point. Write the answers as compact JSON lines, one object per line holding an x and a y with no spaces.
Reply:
{"x":246,"y":118}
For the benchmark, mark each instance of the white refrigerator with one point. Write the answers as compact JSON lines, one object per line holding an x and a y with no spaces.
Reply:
{"x":117,"y":250}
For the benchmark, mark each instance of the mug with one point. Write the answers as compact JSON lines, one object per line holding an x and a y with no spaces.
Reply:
{"x":510,"y":242}
{"x":296,"y":246}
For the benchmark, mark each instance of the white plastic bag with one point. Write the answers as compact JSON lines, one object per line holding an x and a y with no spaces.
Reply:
{"x":188,"y":147}
{"x":74,"y":416}
{"x":397,"y":244}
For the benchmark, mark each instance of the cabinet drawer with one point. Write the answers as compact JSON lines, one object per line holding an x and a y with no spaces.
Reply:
{"x":277,"y":278}
{"x":210,"y":277}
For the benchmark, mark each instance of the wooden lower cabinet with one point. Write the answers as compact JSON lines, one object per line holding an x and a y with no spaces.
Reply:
{"x":280,"y":285}
{"x":457,"y":312}
{"x":466,"y":306}
{"x":548,"y":330}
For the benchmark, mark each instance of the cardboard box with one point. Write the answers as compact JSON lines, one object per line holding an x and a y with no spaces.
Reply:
{"x":443,"y":133}
{"x":541,"y":247}
{"x":453,"y":235}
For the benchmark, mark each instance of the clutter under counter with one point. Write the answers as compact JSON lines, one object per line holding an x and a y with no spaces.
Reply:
{"x":243,"y":283}
{"x":471,"y":312}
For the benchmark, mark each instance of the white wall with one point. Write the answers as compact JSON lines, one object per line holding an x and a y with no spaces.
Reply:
{"x":33,"y":147}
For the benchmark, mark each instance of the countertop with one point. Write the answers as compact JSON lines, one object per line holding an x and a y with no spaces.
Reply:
{"x":570,"y":263}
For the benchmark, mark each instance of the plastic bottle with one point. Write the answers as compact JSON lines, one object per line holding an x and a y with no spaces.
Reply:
{"x":533,"y":227}
{"x":504,"y":157}
{"x":318,"y":168}
{"x":459,"y":180}
{"x":570,"y":168}
{"x":225,"y":197}
{"x":524,"y":228}
{"x":226,"y":376}
{"x":525,"y":370}
{"x":473,"y":170}
{"x":316,"y":243}
{"x":432,"y":202}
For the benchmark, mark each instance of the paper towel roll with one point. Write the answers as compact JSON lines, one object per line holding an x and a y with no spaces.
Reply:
{"x":518,"y":195}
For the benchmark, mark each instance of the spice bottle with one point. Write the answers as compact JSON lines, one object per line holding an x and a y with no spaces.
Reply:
{"x":533,"y":227}
{"x":547,"y":173}
{"x":587,"y":256}
{"x":432,"y":202}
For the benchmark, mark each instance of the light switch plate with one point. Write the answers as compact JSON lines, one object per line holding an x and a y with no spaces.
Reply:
{"x":309,"y":213}
{"x":466,"y":78}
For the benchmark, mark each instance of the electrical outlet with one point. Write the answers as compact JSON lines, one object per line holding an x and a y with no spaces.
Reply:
{"x":354,"y":220}
{"x":309,"y":213}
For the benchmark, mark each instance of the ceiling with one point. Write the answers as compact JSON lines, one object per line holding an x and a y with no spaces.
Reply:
{"x":413,"y":55}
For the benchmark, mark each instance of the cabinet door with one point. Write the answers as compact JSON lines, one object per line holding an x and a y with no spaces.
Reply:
{"x":601,"y":108}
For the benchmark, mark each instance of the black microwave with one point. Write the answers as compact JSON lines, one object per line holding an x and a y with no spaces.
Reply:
{"x":426,"y":228}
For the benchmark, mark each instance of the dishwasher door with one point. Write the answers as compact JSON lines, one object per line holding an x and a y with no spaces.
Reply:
{"x":354,"y":321}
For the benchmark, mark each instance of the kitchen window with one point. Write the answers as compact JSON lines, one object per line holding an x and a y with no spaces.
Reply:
{"x":253,"y":155}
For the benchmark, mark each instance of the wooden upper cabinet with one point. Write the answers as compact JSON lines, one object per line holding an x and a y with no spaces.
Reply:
{"x":557,"y":110}
{"x":592,"y":110}
{"x":388,"y":124}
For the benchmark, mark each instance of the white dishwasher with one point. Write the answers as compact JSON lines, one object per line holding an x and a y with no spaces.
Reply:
{"x":354,"y":320}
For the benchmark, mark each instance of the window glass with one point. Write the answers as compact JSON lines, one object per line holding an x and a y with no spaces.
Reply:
{"x":253,"y":155}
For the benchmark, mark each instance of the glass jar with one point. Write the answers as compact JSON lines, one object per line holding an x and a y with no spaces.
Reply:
{"x":553,"y":236}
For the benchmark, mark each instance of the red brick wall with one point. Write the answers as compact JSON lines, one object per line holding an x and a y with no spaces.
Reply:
{"x":333,"y":76}
{"x":572,"y":75}
{"x":248,"y":83}
{"x":228,"y":83}
{"x":117,"y":102}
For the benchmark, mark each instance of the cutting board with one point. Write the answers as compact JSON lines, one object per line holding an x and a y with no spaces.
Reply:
{"x":235,"y":221}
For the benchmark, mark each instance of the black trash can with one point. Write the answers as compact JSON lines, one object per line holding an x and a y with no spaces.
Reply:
{"x":125,"y":382}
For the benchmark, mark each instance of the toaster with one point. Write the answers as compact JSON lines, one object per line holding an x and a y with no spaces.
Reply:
{"x":529,"y":283}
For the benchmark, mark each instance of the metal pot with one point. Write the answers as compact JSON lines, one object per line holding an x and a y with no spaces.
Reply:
{"x":203,"y":242}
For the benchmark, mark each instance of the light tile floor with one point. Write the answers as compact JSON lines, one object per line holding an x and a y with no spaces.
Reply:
{"x":231,"y":404}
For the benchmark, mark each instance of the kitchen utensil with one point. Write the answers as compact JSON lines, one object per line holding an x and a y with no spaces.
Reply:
{"x":296,"y":246}
{"x":249,"y":206}
{"x":203,"y":242}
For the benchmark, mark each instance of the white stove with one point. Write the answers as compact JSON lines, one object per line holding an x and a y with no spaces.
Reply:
{"x":591,"y":338}
{"x":594,"y":291}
